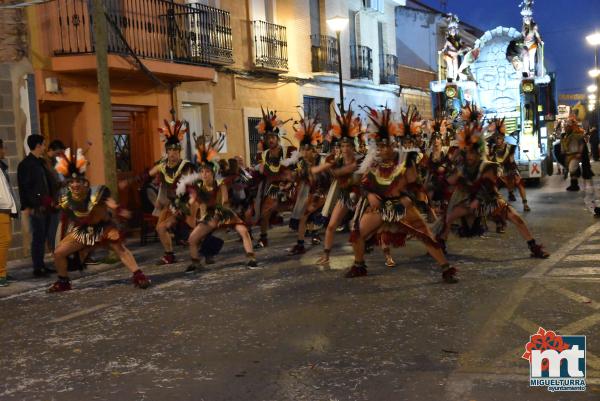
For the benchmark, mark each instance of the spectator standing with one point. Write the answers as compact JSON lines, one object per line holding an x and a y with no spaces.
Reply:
{"x":37,"y":199}
{"x":55,"y":149}
{"x":8,"y":210}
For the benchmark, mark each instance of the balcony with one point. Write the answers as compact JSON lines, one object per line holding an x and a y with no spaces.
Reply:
{"x":324,"y":54}
{"x":270,"y":46}
{"x":361,"y":62}
{"x":160,"y":30}
{"x":388,"y":69}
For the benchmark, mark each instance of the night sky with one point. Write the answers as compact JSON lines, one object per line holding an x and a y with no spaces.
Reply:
{"x":563,"y":24}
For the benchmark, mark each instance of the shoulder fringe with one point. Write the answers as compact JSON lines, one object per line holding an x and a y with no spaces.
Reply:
{"x":293,"y":159}
{"x":186,"y":180}
{"x":368,"y":160}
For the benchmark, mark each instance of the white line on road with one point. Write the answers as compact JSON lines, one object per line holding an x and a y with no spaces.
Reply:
{"x":576,"y":271}
{"x":543,"y":268}
{"x":80,"y":313}
{"x":590,"y":257}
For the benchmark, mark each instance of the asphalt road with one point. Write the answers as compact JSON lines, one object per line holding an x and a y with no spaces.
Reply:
{"x":290,"y":331}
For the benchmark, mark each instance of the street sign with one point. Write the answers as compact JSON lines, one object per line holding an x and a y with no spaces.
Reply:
{"x":572,"y":96}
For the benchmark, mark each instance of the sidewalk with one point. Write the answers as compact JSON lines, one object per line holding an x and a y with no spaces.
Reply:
{"x":22,"y":273}
{"x":24,"y":281}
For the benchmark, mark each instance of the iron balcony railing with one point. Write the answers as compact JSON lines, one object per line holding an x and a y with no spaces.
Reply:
{"x":324,"y":53}
{"x":153,"y":29}
{"x":270,"y":46}
{"x":388,"y":69}
{"x":361,"y":62}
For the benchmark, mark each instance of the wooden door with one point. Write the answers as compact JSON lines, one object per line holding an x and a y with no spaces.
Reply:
{"x":133,"y":153}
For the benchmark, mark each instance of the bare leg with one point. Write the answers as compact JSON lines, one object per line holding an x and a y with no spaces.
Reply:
{"x":61,"y":253}
{"x":196,"y":237}
{"x":162,"y":229}
{"x":518,"y":221}
{"x":414,"y":219}
{"x":455,"y":214}
{"x":125,"y":255}
{"x":389,"y":260}
{"x":369,"y":223}
{"x":337,"y":216}
{"x":242,"y":230}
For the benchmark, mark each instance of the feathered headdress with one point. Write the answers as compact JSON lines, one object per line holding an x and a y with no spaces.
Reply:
{"x":346,"y":127}
{"x":381,"y":127}
{"x":526,"y":8}
{"x":572,"y":126}
{"x":470,"y":137}
{"x":269,"y":124}
{"x":71,"y":166}
{"x":452,"y":21}
{"x":411,"y":123}
{"x":172,"y":133}
{"x":497,"y":126}
{"x":471,"y":114}
{"x":308,"y":132}
{"x":207,"y":150}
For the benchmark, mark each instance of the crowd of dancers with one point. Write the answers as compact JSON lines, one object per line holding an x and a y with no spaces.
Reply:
{"x":386,"y":181}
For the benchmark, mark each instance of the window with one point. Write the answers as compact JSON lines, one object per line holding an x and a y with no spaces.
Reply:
{"x":253,"y":138}
{"x":319,"y":107}
{"x":122,"y":152}
{"x":376,"y":5}
{"x":315,"y":20}
{"x":352,"y":28}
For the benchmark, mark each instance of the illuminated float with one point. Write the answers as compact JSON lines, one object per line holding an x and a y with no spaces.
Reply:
{"x":499,"y":75}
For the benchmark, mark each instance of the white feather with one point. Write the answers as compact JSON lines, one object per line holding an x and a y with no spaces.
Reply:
{"x":368,"y":160}
{"x":293,"y":159}
{"x":80,"y":156}
{"x":185,"y":181}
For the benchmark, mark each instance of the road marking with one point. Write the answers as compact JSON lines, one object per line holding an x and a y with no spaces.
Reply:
{"x":576,"y":271}
{"x":526,"y":324}
{"x":589,"y":247}
{"x":595,"y":238}
{"x":541,"y":269}
{"x":80,"y":313}
{"x":573,"y":295}
{"x":505,"y":312}
{"x":587,"y":257}
{"x":581,"y":324}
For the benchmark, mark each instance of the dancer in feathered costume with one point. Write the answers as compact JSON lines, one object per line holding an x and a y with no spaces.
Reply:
{"x":92,"y":215}
{"x":438,"y":165}
{"x":277,"y":186}
{"x":477,"y":194}
{"x":345,"y":188}
{"x":211,"y":197}
{"x":572,"y":145}
{"x":531,"y":37}
{"x":312,"y":186}
{"x":454,"y":48}
{"x":170,"y":170}
{"x":504,"y":153}
{"x":386,"y":210}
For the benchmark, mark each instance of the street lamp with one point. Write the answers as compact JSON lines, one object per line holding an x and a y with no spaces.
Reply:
{"x":594,"y":40}
{"x":338,"y":24}
{"x":592,"y":89}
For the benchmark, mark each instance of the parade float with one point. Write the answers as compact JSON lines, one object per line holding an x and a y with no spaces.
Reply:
{"x":504,"y":75}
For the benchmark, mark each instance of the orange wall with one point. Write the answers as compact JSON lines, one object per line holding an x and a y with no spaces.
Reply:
{"x":83,"y":123}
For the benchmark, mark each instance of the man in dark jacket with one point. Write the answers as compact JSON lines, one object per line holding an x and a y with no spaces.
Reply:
{"x":36,"y":193}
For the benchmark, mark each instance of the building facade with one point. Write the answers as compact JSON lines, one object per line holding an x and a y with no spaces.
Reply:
{"x":213,"y":63}
{"x":285,"y":57}
{"x":420,"y":34}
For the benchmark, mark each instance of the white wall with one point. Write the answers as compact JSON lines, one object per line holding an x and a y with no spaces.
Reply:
{"x":418,"y":31}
